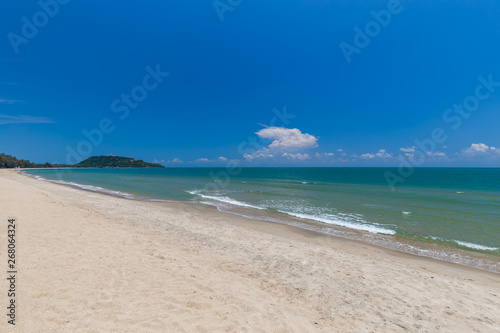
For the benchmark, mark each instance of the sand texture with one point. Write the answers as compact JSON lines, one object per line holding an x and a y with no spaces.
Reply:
{"x":89,"y":262}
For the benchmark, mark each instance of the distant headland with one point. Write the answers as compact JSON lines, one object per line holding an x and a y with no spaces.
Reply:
{"x":110,"y":161}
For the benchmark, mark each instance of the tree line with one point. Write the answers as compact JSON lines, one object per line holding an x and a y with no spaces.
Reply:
{"x":8,"y":161}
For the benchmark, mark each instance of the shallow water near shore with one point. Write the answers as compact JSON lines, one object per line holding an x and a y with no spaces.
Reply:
{"x":451,"y":214}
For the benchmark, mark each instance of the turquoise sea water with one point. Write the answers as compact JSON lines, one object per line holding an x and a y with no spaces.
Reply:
{"x":446,"y":213}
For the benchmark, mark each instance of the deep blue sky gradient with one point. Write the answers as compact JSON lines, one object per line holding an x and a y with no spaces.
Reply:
{"x":227,"y":76}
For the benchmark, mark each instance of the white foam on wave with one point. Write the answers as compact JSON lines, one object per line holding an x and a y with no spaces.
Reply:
{"x":329,"y":219}
{"x":352,"y":225}
{"x":460,"y":192}
{"x":104,"y":190}
{"x":476,"y":246}
{"x":355,"y":222}
{"x":406,"y":213}
{"x":92,"y":188}
{"x":225,"y":200}
{"x":467,"y":244}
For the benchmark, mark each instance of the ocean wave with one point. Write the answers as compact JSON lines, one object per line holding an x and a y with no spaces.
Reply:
{"x":194,"y":192}
{"x":226,"y":200}
{"x":356,"y":222}
{"x":331,"y":220}
{"x":465,"y":244}
{"x":92,"y":188}
{"x":476,"y":246}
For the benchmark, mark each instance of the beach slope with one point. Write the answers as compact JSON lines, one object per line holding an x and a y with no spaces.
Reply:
{"x":89,"y":262}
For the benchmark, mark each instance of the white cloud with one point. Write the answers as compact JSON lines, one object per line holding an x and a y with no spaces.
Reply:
{"x":5,"y":119}
{"x":408,"y":149}
{"x":288,"y":138}
{"x":175,"y":160}
{"x":479,"y":149}
{"x":288,"y":143}
{"x":436,"y":154}
{"x":382,"y":153}
{"x":297,"y":156}
{"x":340,"y":150}
{"x":9,"y":101}
{"x":264,"y":153}
{"x":216,"y":160}
{"x":322,"y":155}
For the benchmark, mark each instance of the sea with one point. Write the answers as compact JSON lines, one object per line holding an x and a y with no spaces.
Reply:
{"x":450,"y":214}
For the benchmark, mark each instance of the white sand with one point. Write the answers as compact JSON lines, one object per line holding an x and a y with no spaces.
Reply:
{"x":95,"y":263}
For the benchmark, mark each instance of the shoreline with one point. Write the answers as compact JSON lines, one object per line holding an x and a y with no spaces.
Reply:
{"x":456,"y":255}
{"x":92,"y":261}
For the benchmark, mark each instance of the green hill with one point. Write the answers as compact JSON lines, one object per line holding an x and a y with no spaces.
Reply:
{"x":115,"y":162}
{"x":8,"y":161}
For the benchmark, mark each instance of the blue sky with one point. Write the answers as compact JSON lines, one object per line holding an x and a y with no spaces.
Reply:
{"x":229,"y":79}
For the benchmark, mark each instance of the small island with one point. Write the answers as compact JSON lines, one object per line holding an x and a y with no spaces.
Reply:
{"x":110,"y":161}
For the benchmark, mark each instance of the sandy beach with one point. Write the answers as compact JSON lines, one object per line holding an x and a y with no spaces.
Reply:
{"x":89,"y":262}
